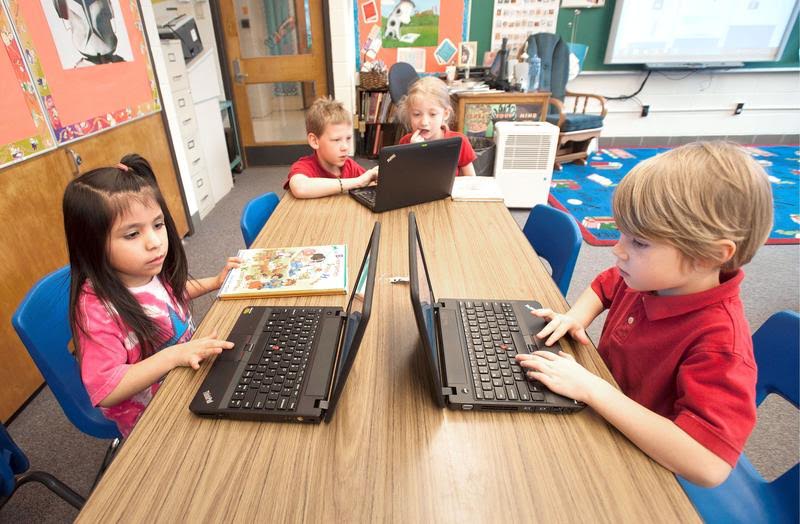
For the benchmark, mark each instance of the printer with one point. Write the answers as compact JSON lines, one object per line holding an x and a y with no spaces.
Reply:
{"x":182,"y":28}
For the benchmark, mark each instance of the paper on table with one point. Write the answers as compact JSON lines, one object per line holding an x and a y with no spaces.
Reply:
{"x":476,"y":189}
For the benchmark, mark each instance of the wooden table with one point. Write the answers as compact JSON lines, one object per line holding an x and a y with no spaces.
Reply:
{"x":476,"y":112}
{"x":390,"y":454}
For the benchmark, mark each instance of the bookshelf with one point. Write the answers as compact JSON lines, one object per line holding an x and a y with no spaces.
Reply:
{"x":375,"y":124}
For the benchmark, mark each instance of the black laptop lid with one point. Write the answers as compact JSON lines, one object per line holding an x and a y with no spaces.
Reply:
{"x":357,"y":316}
{"x":416,"y":173}
{"x":423,"y":301}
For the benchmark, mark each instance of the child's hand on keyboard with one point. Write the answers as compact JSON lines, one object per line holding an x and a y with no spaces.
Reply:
{"x":559,"y":325}
{"x":191,"y":353}
{"x":368,"y":177}
{"x":560,"y":373}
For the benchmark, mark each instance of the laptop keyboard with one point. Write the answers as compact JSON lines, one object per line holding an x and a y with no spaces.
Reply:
{"x":273,"y":378}
{"x":495,"y":373}
{"x":368,"y":195}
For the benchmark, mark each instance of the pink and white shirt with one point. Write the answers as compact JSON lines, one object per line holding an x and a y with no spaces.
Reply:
{"x":108,"y":347}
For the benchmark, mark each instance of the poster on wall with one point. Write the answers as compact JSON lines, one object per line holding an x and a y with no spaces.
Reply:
{"x":89,"y":62}
{"x":389,"y":30}
{"x":88,"y":33}
{"x":24,"y":131}
{"x":517,"y":19}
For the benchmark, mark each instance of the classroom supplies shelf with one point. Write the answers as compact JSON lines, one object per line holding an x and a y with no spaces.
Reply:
{"x":375,"y":123}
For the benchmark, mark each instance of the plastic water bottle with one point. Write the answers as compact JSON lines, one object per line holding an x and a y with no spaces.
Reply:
{"x":534,"y":72}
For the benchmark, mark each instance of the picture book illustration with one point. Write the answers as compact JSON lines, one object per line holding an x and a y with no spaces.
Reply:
{"x":287,"y":271}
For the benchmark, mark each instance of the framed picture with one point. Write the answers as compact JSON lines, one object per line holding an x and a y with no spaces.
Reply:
{"x":468,"y":54}
{"x":476,"y":113}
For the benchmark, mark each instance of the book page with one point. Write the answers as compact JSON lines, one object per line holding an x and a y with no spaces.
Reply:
{"x":286,"y":271}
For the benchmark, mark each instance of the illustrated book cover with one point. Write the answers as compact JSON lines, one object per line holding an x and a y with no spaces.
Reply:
{"x":288,"y":271}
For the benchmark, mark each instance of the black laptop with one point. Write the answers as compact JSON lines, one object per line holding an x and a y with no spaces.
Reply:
{"x":290,"y":363}
{"x":470,"y":345}
{"x":411,"y":174}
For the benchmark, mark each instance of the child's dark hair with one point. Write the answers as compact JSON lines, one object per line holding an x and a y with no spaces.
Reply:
{"x":92,"y":202}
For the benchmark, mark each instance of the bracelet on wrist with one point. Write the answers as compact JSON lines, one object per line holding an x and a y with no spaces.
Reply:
{"x":341,"y":186}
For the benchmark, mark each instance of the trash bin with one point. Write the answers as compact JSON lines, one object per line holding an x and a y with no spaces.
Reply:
{"x":484,"y":148}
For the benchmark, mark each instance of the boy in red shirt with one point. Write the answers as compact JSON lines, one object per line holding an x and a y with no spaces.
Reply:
{"x":330,"y":170}
{"x":676,"y":339}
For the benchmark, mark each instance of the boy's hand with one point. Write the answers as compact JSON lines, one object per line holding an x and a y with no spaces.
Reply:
{"x":559,"y":325}
{"x":416,"y":137}
{"x":191,"y":353}
{"x":231,"y":263}
{"x":368,"y":177}
{"x":560,"y":373}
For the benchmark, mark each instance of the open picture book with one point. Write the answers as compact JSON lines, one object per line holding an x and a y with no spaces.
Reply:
{"x":288,"y":271}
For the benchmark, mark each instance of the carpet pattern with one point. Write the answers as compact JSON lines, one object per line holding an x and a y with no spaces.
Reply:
{"x":585,"y":191}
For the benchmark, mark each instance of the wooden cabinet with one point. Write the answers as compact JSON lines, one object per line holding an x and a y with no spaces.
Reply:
{"x":375,"y":122}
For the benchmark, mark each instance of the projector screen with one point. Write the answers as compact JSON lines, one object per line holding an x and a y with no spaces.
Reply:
{"x":692,"y":33}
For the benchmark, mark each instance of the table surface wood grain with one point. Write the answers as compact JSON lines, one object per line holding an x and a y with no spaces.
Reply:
{"x":389,"y":454}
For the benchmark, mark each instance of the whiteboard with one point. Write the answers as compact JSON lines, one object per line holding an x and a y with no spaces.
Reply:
{"x":693,"y":32}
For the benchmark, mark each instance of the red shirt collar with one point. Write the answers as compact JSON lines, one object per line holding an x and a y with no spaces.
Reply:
{"x":659,"y":307}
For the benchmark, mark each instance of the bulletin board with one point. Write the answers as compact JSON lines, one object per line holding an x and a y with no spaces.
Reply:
{"x":27,"y":133}
{"x":425,"y":33}
{"x":83,"y":96}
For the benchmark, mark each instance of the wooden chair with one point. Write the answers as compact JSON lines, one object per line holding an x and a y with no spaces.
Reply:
{"x":578,"y":120}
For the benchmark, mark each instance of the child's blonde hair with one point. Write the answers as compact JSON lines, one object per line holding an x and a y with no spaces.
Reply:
{"x":326,"y":111}
{"x":427,"y":87}
{"x":695,"y":195}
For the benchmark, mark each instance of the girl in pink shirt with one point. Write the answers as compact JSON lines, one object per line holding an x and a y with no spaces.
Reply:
{"x":130,"y":289}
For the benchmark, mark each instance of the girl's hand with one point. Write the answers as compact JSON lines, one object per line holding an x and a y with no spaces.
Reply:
{"x":416,"y":137}
{"x":191,"y":353}
{"x":231,"y":263}
{"x":560,"y":373}
{"x":559,"y":324}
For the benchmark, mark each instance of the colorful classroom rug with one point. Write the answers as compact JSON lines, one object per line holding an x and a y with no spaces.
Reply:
{"x":585,"y":191}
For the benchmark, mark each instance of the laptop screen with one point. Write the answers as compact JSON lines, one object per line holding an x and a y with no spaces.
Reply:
{"x":423,"y":300}
{"x":357,"y":316}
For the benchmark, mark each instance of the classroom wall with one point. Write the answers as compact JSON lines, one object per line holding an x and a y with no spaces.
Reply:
{"x":700,"y":104}
{"x":682,"y":104}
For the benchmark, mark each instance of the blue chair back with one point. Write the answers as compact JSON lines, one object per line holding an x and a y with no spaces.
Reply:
{"x":556,"y":237}
{"x":42,"y":323}
{"x":255,"y":214}
{"x":745,"y":496}
{"x":401,"y":76}
{"x":12,"y":462}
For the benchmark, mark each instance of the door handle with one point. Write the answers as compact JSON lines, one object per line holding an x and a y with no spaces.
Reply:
{"x":238,"y":75}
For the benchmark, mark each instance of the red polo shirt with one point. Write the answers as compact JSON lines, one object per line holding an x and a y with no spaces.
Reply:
{"x":467,"y":154}
{"x":310,"y":167}
{"x":688,"y":358}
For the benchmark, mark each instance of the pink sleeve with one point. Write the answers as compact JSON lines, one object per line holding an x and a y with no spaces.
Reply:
{"x":103,"y":353}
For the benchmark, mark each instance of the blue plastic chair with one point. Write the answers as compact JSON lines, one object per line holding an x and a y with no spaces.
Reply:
{"x":745,"y":496}
{"x":255,"y":214}
{"x":556,"y":237}
{"x":14,"y":473}
{"x":42,"y":323}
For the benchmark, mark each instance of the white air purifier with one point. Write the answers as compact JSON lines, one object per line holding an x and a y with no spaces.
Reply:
{"x":523,"y":164}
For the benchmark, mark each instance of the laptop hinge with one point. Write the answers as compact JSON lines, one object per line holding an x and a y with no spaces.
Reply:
{"x":322,"y":404}
{"x":448,"y":391}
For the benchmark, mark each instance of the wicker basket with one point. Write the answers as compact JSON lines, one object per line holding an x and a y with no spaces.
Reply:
{"x":373,"y":80}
